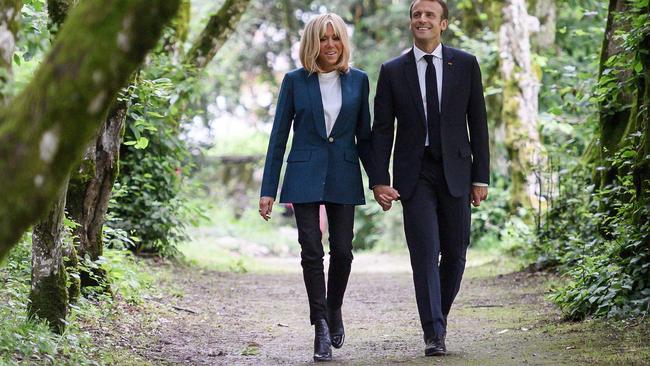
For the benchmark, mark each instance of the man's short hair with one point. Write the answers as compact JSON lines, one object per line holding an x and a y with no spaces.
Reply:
{"x":445,"y":9}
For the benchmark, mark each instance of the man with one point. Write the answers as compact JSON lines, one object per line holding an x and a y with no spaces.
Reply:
{"x":441,"y":159}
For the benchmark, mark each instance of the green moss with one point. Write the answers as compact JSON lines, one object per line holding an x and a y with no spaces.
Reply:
{"x":49,"y":301}
{"x":66,"y":103}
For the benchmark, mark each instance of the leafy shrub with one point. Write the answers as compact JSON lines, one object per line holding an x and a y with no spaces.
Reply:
{"x":147,"y":198}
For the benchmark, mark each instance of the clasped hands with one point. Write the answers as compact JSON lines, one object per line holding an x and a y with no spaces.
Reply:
{"x":385,"y":195}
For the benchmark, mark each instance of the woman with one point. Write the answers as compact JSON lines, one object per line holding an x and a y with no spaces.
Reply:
{"x":326,"y":101}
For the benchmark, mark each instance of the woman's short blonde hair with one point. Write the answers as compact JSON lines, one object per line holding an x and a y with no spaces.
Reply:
{"x":310,"y":42}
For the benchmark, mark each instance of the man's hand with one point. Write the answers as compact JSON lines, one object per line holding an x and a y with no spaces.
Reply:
{"x":385,"y":195}
{"x":266,"y":206}
{"x":478,"y":194}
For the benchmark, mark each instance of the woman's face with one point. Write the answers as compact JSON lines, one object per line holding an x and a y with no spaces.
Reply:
{"x":331,"y":48}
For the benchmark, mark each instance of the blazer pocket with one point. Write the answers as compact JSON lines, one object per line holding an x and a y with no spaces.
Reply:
{"x":299,"y":155}
{"x":351,"y":157}
{"x":464,"y":152}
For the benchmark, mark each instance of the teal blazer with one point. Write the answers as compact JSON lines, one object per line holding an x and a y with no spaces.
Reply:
{"x":320,"y":168}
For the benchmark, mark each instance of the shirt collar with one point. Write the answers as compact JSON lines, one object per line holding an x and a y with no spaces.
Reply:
{"x":419,"y":53}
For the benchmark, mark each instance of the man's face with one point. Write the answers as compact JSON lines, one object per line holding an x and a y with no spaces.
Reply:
{"x":426,"y":21}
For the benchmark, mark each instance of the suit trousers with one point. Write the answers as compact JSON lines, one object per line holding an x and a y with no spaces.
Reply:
{"x":437,"y":227}
{"x":341,"y":222}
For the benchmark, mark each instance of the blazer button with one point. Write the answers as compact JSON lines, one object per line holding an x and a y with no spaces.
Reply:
{"x":331,"y":139}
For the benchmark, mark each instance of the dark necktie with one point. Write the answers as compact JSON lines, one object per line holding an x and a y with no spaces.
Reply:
{"x":433,"y":111}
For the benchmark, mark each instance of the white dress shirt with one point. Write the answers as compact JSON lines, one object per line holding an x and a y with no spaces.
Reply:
{"x":330,"y":91}
{"x":421,"y":64}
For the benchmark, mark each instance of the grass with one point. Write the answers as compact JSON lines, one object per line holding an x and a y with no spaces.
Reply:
{"x":29,"y":341}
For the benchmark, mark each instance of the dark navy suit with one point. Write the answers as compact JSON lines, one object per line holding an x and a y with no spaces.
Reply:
{"x":434,"y":191}
{"x":321,"y":169}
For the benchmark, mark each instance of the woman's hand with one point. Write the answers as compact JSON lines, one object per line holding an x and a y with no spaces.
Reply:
{"x":266,"y":206}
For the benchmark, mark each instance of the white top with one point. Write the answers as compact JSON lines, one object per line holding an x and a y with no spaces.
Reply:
{"x":421,"y":64}
{"x":330,"y":91}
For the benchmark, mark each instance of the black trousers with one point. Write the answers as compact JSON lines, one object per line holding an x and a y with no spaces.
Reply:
{"x":341,"y":222}
{"x":437,"y":227}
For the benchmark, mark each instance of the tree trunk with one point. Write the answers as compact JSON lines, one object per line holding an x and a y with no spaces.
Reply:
{"x":9,"y":25}
{"x":216,"y":32}
{"x":45,"y":130}
{"x":624,"y":117}
{"x":178,"y":31}
{"x":520,"y":98}
{"x":50,"y":230}
{"x":48,"y":298}
{"x":642,"y":164}
{"x":89,"y":191}
{"x":614,"y":115}
{"x":546,"y":12}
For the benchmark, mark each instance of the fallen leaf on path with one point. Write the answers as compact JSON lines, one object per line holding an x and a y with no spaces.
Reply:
{"x":253,"y":349}
{"x":283,"y":325}
{"x":503,"y":331}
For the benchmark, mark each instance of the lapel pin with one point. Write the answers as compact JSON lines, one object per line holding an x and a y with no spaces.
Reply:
{"x":449,"y":63}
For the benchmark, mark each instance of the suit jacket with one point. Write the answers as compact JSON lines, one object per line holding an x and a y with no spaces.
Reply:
{"x":463,"y":124}
{"x":320,"y":168}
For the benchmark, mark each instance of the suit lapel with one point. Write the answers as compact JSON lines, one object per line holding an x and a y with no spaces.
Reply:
{"x":411,"y":74}
{"x":346,"y":95}
{"x":448,"y":77}
{"x":313,"y":87}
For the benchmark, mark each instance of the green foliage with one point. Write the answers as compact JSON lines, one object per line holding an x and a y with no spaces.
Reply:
{"x":25,"y":341}
{"x":367,"y":224}
{"x":147,"y":198}
{"x":606,"y":256}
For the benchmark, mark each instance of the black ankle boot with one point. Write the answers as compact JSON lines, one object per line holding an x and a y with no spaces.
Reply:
{"x":337,"y":332}
{"x":322,"y":341}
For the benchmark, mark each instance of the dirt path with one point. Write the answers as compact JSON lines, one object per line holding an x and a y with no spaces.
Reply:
{"x":262,"y":319}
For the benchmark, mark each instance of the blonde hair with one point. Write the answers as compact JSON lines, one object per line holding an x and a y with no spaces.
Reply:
{"x":310,"y":42}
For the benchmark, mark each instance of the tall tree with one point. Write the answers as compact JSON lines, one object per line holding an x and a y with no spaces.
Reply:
{"x":625,"y":99}
{"x":45,"y":129}
{"x":49,"y":278}
{"x":216,"y":32}
{"x":520,"y":103}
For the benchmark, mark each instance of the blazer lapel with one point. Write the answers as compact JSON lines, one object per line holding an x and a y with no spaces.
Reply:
{"x":411,"y":73}
{"x":346,"y":95}
{"x":313,"y":87}
{"x":448,"y":77}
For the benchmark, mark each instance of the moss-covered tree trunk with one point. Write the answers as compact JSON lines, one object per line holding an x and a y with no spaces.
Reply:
{"x":47,"y":234}
{"x":216,"y":32}
{"x":177,"y":32}
{"x":520,"y":103}
{"x":46,"y":128}
{"x":89,"y":191}
{"x":614,"y":116}
{"x":9,"y":24}
{"x":48,"y":298}
{"x":624,"y":110}
{"x":642,"y":164}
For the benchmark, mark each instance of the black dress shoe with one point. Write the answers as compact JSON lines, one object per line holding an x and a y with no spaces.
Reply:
{"x":435,"y":346}
{"x":336,"y":328}
{"x":322,"y":341}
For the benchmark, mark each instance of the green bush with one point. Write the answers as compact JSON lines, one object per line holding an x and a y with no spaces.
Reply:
{"x":148,"y":200}
{"x":606,"y":256}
